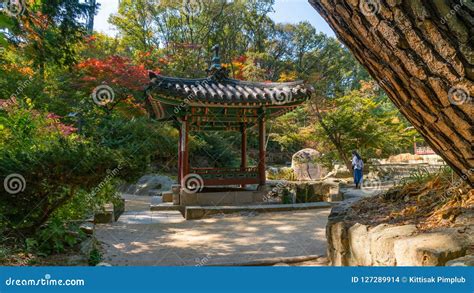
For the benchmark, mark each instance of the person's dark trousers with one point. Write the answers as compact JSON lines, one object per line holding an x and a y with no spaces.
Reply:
{"x":357,"y":177}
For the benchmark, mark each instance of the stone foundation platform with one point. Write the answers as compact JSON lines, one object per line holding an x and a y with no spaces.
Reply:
{"x":221,"y":198}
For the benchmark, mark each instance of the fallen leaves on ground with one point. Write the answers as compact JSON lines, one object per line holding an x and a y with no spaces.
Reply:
{"x":434,"y":202}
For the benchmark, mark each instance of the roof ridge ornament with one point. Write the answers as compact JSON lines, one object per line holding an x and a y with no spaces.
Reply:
{"x":216,"y":70}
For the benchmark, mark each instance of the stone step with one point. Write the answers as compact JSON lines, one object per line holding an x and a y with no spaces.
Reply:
{"x":201,"y":212}
{"x":150,"y":217}
{"x":165,"y":206}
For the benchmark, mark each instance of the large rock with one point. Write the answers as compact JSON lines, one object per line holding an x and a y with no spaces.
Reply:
{"x":429,"y":249}
{"x":338,"y":244}
{"x":305,"y":165}
{"x":146,"y":184}
{"x":465,"y":261}
{"x":330,"y":189}
{"x":382,"y":239}
{"x":339,"y":171}
{"x":314,"y":191}
{"x":355,"y":244}
{"x":359,"y":245}
{"x":308,"y":192}
{"x":338,"y":250}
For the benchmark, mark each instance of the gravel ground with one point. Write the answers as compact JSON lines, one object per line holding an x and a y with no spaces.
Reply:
{"x":145,"y":238}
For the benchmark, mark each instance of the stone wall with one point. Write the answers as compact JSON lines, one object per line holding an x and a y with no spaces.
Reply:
{"x":230,"y":198}
{"x":308,"y":191}
{"x":355,"y":244}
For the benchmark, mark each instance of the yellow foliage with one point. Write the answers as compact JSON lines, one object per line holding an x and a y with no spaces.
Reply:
{"x":288,"y":76}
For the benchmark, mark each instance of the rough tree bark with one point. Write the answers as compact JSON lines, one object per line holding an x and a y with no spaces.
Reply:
{"x":422,"y":54}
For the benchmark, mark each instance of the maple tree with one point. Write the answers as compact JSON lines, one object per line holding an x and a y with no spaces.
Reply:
{"x":115,"y":77}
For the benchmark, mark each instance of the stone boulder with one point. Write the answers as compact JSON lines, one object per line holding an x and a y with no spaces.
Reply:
{"x":315,"y":191}
{"x":382,"y":242}
{"x":148,"y":185}
{"x":465,"y":261}
{"x":355,"y":244}
{"x":430,"y":249}
{"x":330,"y":189}
{"x":307,"y":192}
{"x":306,"y":167}
{"x":339,"y":171}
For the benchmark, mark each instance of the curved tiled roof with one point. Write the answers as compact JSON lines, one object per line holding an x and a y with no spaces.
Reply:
{"x":223,"y":90}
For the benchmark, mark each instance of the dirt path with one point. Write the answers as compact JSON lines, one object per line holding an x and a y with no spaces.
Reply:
{"x":142,"y":237}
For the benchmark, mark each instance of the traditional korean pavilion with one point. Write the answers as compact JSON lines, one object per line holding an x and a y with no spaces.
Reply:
{"x":219,"y":103}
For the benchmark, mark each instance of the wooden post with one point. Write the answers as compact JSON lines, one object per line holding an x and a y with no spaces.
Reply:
{"x":243,"y":131}
{"x":261,"y":147}
{"x":180,"y":156}
{"x":243,"y":153}
{"x":184,"y":150}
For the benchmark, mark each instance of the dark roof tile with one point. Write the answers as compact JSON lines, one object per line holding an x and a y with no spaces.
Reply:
{"x":226,"y":90}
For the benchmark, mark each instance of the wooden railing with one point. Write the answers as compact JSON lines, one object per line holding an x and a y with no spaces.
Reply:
{"x":223,"y":170}
{"x":227,"y":176}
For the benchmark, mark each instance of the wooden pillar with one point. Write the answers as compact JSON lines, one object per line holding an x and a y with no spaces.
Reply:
{"x":261,"y":148}
{"x":243,"y":153}
{"x":180,"y":157}
{"x":184,"y":149}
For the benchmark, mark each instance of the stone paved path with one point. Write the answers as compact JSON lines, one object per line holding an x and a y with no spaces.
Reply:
{"x":142,"y":237}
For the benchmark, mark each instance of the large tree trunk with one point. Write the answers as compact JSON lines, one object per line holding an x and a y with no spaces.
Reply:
{"x":421,"y":53}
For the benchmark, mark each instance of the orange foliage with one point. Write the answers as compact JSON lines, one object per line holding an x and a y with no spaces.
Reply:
{"x":113,"y":71}
{"x":236,"y":67}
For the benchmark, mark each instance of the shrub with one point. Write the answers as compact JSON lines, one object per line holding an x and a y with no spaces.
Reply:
{"x":63,"y":176}
{"x":51,"y":166}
